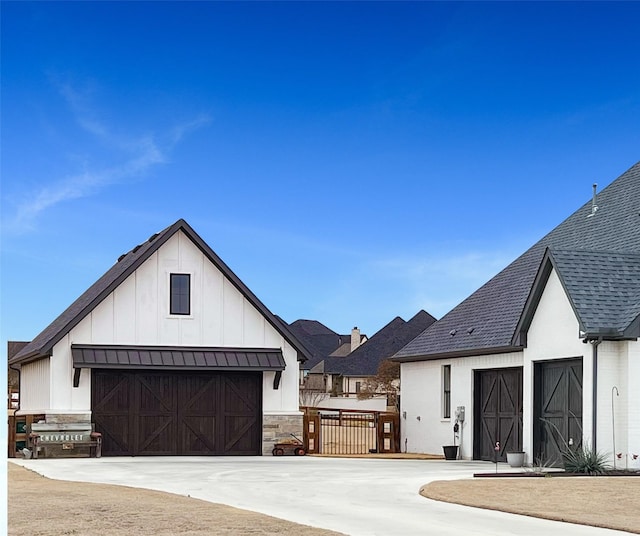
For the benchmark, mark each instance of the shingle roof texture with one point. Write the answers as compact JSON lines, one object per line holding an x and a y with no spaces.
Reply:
{"x":488,"y":318}
{"x":320,"y":340}
{"x":604,"y":287}
{"x":365,"y":360}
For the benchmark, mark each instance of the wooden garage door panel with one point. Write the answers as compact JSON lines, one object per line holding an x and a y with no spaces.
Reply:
{"x":497,"y":412}
{"x":241,"y":398}
{"x":240,"y":434}
{"x":116,"y":434}
{"x":157,"y":393}
{"x":157,"y":435}
{"x":156,"y":413}
{"x":557,"y":409}
{"x":198,"y":436}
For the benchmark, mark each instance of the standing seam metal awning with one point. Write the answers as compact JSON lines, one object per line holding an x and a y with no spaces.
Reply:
{"x":177,"y":358}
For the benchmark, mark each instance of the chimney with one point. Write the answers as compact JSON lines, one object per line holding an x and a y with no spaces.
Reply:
{"x":355,"y":338}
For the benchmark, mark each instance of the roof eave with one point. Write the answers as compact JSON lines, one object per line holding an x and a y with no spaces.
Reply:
{"x":302,"y":354}
{"x":458,"y":353}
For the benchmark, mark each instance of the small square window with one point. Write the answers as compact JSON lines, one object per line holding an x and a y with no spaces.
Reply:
{"x":180,"y":294}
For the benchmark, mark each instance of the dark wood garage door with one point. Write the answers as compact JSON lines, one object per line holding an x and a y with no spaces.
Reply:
{"x":141,"y":413}
{"x":497,"y":412}
{"x":557,"y":409}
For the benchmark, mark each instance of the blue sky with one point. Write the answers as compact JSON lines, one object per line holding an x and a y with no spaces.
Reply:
{"x":349,"y":161}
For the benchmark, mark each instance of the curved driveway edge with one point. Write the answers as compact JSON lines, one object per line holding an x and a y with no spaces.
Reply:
{"x":353,"y":496}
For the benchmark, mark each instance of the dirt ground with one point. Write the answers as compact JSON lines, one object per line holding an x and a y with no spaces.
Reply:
{"x":42,"y":507}
{"x":610,"y":502}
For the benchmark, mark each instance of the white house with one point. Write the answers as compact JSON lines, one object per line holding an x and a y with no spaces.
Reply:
{"x":168,"y":353}
{"x":545,"y":356}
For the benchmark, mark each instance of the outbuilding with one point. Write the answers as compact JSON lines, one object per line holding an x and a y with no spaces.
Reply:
{"x":168,"y":353}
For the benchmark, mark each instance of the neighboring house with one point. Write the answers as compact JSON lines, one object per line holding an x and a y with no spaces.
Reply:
{"x":320,"y":342}
{"x":545,"y":355}
{"x":168,"y":353}
{"x":344,"y":372}
{"x":351,"y":372}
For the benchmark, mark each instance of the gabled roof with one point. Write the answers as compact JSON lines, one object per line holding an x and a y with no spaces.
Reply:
{"x":318,"y":339}
{"x":365,"y":360}
{"x":603,"y":289}
{"x":128,"y":263}
{"x":486,"y":321}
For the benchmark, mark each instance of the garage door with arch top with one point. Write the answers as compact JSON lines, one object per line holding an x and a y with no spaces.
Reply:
{"x":169,"y":413}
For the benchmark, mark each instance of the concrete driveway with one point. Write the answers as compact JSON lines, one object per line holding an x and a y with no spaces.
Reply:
{"x":353,"y":496}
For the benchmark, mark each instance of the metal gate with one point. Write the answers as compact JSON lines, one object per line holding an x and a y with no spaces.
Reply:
{"x":332,"y":431}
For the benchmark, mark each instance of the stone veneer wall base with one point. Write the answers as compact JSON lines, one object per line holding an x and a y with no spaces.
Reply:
{"x":278,"y":428}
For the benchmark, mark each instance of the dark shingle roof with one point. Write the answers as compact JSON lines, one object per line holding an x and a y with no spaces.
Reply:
{"x":319,"y":340}
{"x":365,"y":360}
{"x":604,"y":288}
{"x":486,"y":321}
{"x":43,"y":344}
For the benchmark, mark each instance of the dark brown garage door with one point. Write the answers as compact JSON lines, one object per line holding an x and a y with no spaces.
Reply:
{"x":497,"y":413}
{"x":557,"y":412}
{"x":142,"y":413}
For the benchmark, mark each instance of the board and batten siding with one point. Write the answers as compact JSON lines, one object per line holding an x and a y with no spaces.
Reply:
{"x":137,"y":313}
{"x":35,"y":387}
{"x":423,"y":427}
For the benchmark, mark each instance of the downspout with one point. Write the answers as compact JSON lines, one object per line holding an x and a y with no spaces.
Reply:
{"x":594,"y":420}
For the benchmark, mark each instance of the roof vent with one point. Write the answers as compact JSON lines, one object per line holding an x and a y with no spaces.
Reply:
{"x":470,"y":330}
{"x":594,"y":207}
{"x":153,"y":237}
{"x":453,"y":332}
{"x":136,"y":248}
{"x":121,"y":257}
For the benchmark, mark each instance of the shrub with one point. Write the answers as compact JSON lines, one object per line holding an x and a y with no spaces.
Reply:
{"x":585,"y":460}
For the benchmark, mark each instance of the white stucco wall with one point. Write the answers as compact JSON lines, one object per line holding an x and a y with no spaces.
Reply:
{"x":554,"y":334}
{"x":343,"y":402}
{"x":619,"y":401}
{"x":137,"y":313}
{"x":632,"y":395}
{"x":423,"y":429}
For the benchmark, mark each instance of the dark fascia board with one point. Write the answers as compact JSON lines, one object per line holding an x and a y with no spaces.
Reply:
{"x":547,"y":265}
{"x":159,"y":240}
{"x":457,"y":354}
{"x":544,"y":272}
{"x":278,"y":324}
{"x":46,"y":349}
{"x":539,"y":283}
{"x":633,"y":329}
